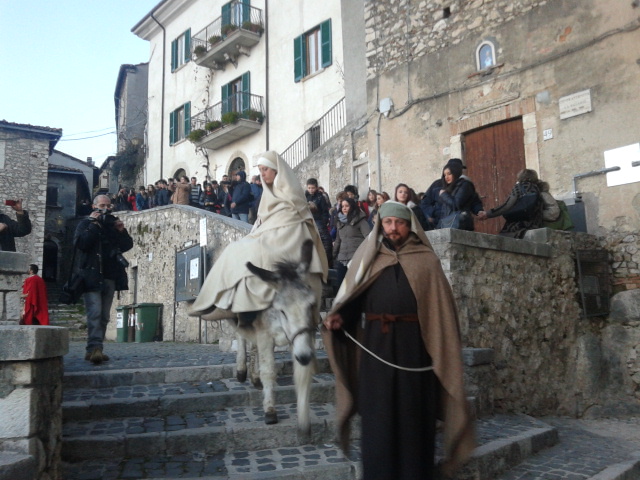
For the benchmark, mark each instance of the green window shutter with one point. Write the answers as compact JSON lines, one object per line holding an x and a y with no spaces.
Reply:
{"x":226,"y":14}
{"x":187,"y":45}
{"x":246,"y":91}
{"x":325,"y":34}
{"x":299,"y":58}
{"x":172,"y":128}
{"x":225,"y":98}
{"x":187,"y":118}
{"x":174,"y":55}
{"x":246,"y":11}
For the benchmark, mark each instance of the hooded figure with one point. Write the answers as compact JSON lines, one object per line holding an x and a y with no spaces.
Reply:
{"x":397,"y":301}
{"x":284,"y":222}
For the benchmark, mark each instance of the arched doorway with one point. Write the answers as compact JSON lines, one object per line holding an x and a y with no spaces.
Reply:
{"x":237,"y":164}
{"x":179,"y":173}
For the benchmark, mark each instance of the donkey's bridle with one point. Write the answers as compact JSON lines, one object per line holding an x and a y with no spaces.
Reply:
{"x":308,"y":329}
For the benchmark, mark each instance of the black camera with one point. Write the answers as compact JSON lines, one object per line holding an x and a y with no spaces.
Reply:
{"x":121,"y":260}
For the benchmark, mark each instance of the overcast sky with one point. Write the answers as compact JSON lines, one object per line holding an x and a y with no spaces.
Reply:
{"x":59,"y":62}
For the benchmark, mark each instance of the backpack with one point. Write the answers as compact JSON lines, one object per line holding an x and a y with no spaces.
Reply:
{"x":563,"y":222}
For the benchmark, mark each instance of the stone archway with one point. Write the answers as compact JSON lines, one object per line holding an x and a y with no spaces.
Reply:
{"x":237,"y":164}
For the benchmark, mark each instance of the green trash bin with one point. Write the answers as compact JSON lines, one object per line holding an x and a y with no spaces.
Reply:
{"x":122,"y":322}
{"x":148,"y":322}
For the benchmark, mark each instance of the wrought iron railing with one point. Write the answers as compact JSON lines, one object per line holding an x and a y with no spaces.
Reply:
{"x":331,"y":123}
{"x":239,"y":105}
{"x":238,"y":16}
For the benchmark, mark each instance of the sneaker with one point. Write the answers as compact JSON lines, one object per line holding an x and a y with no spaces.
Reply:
{"x":105,"y":357}
{"x":96,"y":356}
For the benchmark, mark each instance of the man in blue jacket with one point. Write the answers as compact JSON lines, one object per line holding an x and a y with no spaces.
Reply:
{"x":241,"y":198}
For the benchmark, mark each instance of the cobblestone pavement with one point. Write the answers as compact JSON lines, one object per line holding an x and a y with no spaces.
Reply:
{"x":586,"y":448}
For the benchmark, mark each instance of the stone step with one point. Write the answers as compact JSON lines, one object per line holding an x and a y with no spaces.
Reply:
{"x":14,"y":466}
{"x":118,"y":370}
{"x":581,"y":454}
{"x":260,"y":452}
{"x":176,"y":399}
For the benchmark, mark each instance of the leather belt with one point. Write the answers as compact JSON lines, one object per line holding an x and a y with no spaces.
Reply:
{"x":387,"y":318}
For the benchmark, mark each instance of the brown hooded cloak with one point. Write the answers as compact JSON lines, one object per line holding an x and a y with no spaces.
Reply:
{"x":439,"y":329}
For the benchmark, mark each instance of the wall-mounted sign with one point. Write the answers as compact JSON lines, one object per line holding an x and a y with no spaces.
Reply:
{"x":575,"y":104}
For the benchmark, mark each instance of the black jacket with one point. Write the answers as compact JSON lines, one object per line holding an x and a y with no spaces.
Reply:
{"x":97,"y":246}
{"x":19,"y":228}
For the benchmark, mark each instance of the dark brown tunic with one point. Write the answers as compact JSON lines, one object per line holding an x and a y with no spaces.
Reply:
{"x":397,"y":408}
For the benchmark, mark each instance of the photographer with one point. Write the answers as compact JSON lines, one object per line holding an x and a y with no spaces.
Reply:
{"x":10,"y":229}
{"x":100,"y":240}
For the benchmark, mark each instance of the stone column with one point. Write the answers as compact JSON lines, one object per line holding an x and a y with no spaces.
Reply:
{"x":31,"y":370}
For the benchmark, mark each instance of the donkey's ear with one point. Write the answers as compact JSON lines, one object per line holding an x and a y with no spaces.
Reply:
{"x":262,"y":274}
{"x":306,"y":253}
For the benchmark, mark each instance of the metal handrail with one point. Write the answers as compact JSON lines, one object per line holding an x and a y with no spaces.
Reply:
{"x":249,"y":106}
{"x":320,"y":132}
{"x":217,"y":31}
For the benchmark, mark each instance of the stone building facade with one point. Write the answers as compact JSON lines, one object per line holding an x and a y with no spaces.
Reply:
{"x":24,"y":162}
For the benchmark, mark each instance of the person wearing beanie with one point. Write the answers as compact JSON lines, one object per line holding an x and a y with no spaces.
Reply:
{"x":431,"y":205}
{"x":396,"y":300}
{"x":241,"y":197}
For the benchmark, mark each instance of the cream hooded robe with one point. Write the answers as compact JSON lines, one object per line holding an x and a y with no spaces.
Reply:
{"x":284,"y":222}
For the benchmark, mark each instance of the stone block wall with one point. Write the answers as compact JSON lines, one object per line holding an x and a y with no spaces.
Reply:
{"x":23,"y":174}
{"x":31,"y":370}
{"x":157,"y":235}
{"x":399,"y":31}
{"x":520,"y":298}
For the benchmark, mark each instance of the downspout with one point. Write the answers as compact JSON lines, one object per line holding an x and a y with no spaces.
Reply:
{"x":164,"y":63}
{"x":266,"y":69}
{"x":576,"y":194}
{"x":379,"y":166}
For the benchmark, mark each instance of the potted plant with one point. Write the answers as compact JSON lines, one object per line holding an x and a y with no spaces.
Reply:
{"x":252,"y":27}
{"x":214,"y":39}
{"x":213,"y":125}
{"x":200,"y":50}
{"x":197,"y":135}
{"x":227,"y":29}
{"x":254,"y":115}
{"x":230,"y":117}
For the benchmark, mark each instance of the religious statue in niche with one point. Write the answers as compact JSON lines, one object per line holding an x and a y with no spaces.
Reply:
{"x":485,"y":55}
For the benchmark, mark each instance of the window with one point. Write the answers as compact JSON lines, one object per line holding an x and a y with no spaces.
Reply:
{"x":485,"y":55}
{"x":181,"y":50}
{"x":312,"y":51}
{"x":314,"y":138}
{"x":236,"y":13}
{"x":52,"y":196}
{"x":179,"y":123}
{"x":236,"y":95}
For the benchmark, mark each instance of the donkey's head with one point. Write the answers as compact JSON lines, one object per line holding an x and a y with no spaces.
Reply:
{"x":294,"y":304}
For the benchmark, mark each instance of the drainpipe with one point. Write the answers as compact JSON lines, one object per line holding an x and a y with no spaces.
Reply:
{"x":164,"y":63}
{"x":593,"y":173}
{"x":266,"y":70}
{"x":378,"y":152}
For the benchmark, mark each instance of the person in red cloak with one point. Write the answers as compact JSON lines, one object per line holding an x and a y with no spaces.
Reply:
{"x":34,"y":293}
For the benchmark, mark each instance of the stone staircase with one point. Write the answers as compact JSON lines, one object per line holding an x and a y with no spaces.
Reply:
{"x":164,"y":410}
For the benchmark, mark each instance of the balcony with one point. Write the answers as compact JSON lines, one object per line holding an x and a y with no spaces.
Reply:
{"x":235,"y":32}
{"x":237,"y":116}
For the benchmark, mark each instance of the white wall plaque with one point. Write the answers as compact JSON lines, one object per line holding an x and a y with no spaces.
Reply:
{"x":623,"y":157}
{"x":575,"y":104}
{"x":203,"y":232}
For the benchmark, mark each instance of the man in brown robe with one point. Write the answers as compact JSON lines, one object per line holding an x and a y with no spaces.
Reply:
{"x":397,"y":302}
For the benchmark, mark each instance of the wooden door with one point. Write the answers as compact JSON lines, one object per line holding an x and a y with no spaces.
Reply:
{"x":493,"y":156}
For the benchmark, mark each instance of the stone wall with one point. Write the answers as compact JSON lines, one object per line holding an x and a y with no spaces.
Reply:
{"x":31,"y":371}
{"x":399,"y":31}
{"x":520,"y":298}
{"x":24,"y":175}
{"x":157,"y":235}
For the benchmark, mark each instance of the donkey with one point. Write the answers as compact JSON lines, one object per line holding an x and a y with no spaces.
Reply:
{"x":291,"y":320}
